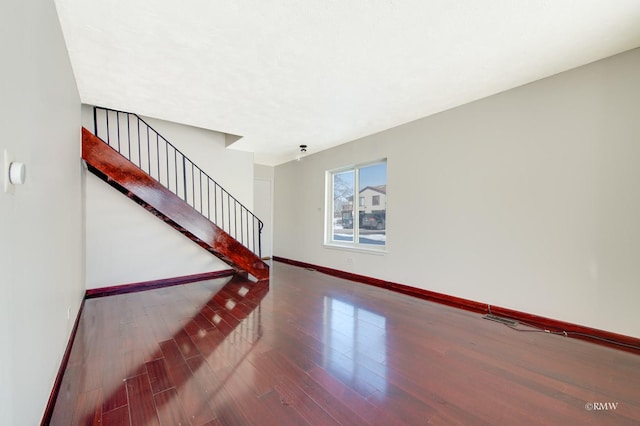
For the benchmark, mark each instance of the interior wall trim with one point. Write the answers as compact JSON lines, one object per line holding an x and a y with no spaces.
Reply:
{"x":57,"y":384}
{"x":149,"y":285}
{"x":602,"y":337}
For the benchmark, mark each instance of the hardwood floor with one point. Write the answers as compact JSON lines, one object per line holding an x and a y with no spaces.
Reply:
{"x":308,"y":348}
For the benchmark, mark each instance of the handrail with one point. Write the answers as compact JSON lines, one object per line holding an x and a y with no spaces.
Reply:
{"x":126,"y":133}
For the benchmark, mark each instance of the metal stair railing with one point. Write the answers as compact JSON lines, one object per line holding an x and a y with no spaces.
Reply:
{"x":143,"y":146}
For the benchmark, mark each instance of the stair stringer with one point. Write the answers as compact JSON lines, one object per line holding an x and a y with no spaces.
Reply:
{"x":126,"y":177}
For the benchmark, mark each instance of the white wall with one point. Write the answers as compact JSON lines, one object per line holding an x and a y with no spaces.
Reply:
{"x":41,"y":229}
{"x":527,"y":199}
{"x":127,"y":244}
{"x":263,"y":205}
{"x":232,"y":169}
{"x":263,"y":172}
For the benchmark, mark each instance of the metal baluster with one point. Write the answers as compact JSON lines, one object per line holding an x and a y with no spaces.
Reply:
{"x":241,"y":228}
{"x":221,"y":208}
{"x":229,"y":206}
{"x":95,"y":121}
{"x":139,"y":149}
{"x":184,"y":176}
{"x":259,"y":238}
{"x":158,"y":155}
{"x":128,"y":137}
{"x":215,"y":203}
{"x":193,"y":186}
{"x":166,"y":153}
{"x":175,"y":166}
{"x":118,"y":128}
{"x":106,"y":115}
{"x":201,"y":208}
{"x":148,"y":151}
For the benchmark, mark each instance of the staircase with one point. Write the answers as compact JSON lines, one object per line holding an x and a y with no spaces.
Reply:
{"x":136,"y":160}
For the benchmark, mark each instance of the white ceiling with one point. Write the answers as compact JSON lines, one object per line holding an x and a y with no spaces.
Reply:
{"x":282,"y":73}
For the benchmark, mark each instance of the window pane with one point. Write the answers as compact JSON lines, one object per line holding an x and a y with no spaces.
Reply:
{"x":342,"y":226}
{"x":373,"y":215}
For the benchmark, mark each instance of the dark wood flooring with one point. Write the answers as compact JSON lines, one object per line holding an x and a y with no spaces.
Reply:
{"x":308,"y":348}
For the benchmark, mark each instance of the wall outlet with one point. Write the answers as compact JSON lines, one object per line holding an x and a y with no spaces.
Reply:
{"x":68,"y":313}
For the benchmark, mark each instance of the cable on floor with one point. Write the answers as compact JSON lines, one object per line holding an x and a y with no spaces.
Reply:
{"x":570,"y":333}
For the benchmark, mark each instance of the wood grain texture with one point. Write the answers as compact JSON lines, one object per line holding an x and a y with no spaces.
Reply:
{"x":113,"y":168}
{"x":602,"y":337}
{"x":141,"y":397}
{"x":309,"y":348}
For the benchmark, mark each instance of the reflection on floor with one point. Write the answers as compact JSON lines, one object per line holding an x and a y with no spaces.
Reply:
{"x":307,"y":348}
{"x":353,"y":335}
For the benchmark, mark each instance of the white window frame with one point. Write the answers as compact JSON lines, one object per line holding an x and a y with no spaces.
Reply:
{"x":354,"y":245}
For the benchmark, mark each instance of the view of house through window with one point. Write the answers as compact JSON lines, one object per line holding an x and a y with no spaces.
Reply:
{"x":365,"y":221}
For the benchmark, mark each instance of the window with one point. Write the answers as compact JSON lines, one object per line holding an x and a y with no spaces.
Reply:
{"x":358,"y":224}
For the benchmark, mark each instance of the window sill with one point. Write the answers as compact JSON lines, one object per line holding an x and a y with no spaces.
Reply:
{"x":359,"y":249}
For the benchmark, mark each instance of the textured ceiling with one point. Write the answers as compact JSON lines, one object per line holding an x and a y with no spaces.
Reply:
{"x":323,"y":72}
